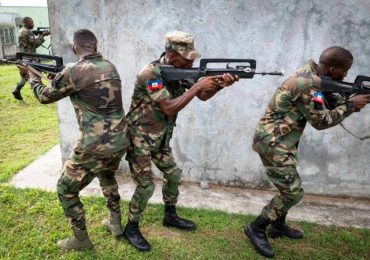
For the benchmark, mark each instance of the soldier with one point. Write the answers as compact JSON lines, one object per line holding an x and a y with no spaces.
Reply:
{"x":297,"y":101}
{"x":28,"y":42}
{"x":94,"y":87}
{"x":151,"y":118}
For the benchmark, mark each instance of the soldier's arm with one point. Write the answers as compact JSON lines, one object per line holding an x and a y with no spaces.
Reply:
{"x":320,"y":117}
{"x":172,"y":106}
{"x":223,"y":81}
{"x":36,"y":41}
{"x":325,"y":114}
{"x":150,"y":81}
{"x":333,"y":100}
{"x":58,"y":88}
{"x":310,"y":103}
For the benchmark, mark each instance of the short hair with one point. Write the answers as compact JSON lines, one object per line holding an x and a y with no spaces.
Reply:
{"x":26,"y":19}
{"x":336,"y":56}
{"x":84,"y":38}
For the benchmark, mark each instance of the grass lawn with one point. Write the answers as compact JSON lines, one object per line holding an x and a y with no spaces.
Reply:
{"x":31,"y":221}
{"x":27,"y":129}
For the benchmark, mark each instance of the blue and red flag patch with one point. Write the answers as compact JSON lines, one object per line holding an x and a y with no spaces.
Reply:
{"x":318,"y":97}
{"x":154,"y":85}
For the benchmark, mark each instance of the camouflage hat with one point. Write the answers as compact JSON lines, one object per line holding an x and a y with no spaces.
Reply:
{"x":183,"y":43}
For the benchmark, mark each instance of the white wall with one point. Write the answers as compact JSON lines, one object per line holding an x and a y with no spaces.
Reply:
{"x":213,"y":139}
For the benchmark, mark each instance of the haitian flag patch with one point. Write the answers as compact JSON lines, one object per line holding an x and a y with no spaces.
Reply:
{"x":154,"y":85}
{"x":318,"y":97}
{"x":318,"y":100}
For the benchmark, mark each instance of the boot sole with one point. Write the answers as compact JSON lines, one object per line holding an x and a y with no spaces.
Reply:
{"x":181,"y":228}
{"x":274,"y":235}
{"x":78,"y":249}
{"x":246,"y":232}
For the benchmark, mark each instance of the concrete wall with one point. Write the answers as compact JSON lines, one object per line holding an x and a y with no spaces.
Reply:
{"x":213,"y":139}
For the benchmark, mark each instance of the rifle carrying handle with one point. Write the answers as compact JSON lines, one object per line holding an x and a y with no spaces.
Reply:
{"x":58,"y":60}
{"x":204,"y":62}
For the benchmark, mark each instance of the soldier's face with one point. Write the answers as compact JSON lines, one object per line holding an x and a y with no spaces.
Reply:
{"x":339,"y":73}
{"x":178,"y":61}
{"x":29,"y":24}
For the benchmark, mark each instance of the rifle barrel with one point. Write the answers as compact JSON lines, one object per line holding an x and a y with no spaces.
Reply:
{"x":275,"y":73}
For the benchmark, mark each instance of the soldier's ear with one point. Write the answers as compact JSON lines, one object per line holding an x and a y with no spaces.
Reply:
{"x":332,"y":70}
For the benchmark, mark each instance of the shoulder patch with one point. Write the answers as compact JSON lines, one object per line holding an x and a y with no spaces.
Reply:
{"x":154,"y":85}
{"x":318,"y":99}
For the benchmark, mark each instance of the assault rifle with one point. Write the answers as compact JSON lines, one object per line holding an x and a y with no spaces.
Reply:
{"x":37,"y":63}
{"x":41,"y":30}
{"x":244,"y":68}
{"x":360,"y":86}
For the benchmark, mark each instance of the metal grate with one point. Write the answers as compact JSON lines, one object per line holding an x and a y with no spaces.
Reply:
{"x":7,"y":36}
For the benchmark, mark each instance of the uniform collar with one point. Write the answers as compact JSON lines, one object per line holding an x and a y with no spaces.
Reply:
{"x":314,"y":66}
{"x":162,"y":59}
{"x":91,"y":56}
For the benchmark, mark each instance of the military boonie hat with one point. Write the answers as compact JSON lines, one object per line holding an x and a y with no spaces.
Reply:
{"x":182,"y":43}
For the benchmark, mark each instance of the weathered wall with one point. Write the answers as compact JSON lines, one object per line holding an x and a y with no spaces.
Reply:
{"x":213,"y":139}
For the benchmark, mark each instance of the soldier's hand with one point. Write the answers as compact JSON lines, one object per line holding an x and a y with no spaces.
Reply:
{"x":22,"y":70}
{"x":46,"y":33}
{"x":207,"y":84}
{"x":226,"y":80}
{"x":360,"y":101}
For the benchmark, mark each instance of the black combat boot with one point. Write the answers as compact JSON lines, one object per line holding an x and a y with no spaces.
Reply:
{"x":279,"y":228}
{"x":133,"y":235}
{"x":171,"y":219}
{"x":17,"y":94}
{"x":256,"y":233}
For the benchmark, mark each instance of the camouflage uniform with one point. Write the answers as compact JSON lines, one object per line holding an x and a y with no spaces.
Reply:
{"x":94,"y":87}
{"x":28,"y":42}
{"x":295,"y":102}
{"x":150,"y":132}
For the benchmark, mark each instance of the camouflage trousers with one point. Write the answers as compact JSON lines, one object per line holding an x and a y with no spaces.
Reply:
{"x":280,"y":164}
{"x":21,"y":83}
{"x":79,"y":170}
{"x":140,"y":166}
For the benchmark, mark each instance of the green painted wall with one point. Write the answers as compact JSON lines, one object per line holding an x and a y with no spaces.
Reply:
{"x":40,"y":17}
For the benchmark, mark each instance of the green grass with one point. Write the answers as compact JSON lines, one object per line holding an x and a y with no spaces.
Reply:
{"x":31,"y":221}
{"x":27,"y":129}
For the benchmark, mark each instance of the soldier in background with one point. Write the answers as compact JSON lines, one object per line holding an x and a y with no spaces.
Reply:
{"x":28,"y":42}
{"x":152,"y":118}
{"x":297,"y":101}
{"x":94,"y":87}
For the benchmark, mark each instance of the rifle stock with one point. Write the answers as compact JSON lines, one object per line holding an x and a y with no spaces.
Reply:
{"x":360,"y":86}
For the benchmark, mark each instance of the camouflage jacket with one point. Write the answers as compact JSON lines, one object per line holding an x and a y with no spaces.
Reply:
{"x":149,"y":126}
{"x":295,"y":102}
{"x":94,"y":87}
{"x":27,"y":40}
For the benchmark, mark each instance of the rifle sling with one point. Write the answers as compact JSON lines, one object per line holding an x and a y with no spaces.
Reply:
{"x":359,"y":138}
